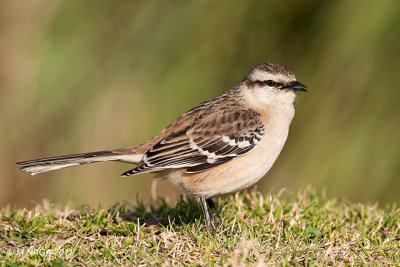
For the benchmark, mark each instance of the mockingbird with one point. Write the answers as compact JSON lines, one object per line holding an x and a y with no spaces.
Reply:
{"x":221,"y":146}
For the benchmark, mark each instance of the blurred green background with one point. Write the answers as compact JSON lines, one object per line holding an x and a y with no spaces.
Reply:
{"x":78,"y":76}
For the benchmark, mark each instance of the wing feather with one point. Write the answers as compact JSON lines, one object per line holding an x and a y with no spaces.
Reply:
{"x":202,"y":146}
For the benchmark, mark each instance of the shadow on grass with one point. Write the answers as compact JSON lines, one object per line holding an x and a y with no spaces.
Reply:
{"x":184,"y":212}
{"x":158,"y":214}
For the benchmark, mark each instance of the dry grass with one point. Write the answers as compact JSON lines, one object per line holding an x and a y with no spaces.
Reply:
{"x":276,"y":229}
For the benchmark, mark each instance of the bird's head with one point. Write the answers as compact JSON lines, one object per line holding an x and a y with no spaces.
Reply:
{"x":273,"y":76}
{"x":272,"y":83}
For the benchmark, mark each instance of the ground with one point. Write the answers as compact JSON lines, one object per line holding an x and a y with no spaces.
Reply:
{"x":281,"y":228}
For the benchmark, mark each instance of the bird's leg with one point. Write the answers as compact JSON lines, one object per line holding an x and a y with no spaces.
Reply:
{"x":207,"y":218}
{"x":217,"y":219}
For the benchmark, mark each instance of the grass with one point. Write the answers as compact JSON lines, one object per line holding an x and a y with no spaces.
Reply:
{"x":282,"y":228}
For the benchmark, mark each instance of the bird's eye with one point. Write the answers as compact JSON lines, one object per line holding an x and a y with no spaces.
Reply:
{"x":270,"y":83}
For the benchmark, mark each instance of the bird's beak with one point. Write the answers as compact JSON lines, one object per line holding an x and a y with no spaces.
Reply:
{"x":295,"y":86}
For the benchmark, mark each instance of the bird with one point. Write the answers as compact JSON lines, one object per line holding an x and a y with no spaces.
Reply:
{"x":222,"y":146}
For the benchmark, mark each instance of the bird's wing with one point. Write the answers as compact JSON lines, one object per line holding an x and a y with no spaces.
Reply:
{"x":208,"y":141}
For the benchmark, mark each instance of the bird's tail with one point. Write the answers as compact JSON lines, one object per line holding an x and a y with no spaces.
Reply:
{"x":129,"y":155}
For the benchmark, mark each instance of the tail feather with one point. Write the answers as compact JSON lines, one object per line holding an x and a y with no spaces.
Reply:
{"x":54,"y":163}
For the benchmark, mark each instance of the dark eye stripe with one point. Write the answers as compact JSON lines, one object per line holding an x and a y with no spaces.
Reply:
{"x":269,"y":83}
